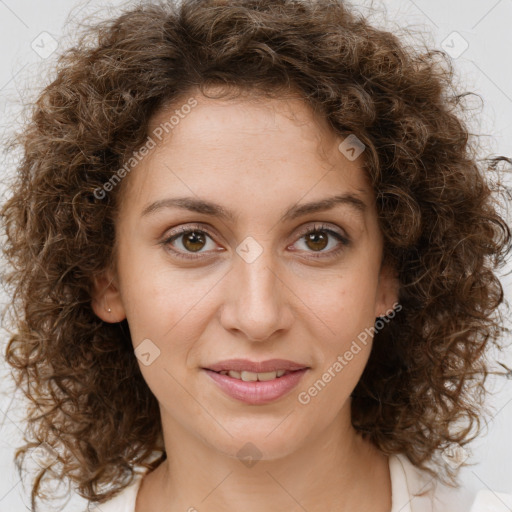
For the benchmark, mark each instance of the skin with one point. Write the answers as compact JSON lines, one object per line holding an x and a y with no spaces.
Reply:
{"x":257,"y":158}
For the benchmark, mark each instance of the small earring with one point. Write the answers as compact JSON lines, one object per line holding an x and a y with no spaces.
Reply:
{"x":109,"y":310}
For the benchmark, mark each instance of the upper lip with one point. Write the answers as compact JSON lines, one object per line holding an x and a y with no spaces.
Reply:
{"x":271,"y":365}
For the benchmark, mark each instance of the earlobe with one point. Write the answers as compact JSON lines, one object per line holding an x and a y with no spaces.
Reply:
{"x":106,"y":300}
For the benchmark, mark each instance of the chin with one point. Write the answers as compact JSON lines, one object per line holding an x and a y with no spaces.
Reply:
{"x":259,"y":445}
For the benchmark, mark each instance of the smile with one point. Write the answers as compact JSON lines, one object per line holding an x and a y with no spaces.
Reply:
{"x":256,"y":388}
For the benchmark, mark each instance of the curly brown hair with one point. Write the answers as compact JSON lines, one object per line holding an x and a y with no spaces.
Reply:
{"x":423,"y":386}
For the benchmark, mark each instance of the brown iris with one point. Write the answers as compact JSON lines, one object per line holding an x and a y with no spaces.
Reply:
{"x":318,"y":239}
{"x":194,"y":241}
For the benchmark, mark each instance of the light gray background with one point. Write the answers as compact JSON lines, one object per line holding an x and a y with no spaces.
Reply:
{"x":29,"y":31}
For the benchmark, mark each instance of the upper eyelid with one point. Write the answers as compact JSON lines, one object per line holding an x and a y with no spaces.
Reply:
{"x":319,"y":226}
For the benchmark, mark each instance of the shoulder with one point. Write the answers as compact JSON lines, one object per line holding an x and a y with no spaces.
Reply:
{"x":414,"y":490}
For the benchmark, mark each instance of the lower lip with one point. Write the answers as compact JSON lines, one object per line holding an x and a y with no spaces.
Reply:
{"x":257,"y":393}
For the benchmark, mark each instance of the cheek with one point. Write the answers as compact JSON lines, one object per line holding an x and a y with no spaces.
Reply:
{"x":342,"y":309}
{"x":342,"y":302}
{"x":160,"y":300}
{"x":342,"y":350}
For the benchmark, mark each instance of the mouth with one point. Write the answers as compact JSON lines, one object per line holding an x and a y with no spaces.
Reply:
{"x":256,"y":383}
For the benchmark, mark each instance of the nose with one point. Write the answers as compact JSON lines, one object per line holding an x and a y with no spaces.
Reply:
{"x":257,"y":301}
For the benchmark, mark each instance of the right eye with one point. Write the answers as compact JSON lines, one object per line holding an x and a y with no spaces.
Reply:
{"x":192,"y":240}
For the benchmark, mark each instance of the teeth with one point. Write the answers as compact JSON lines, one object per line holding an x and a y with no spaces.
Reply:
{"x":250,"y":376}
{"x":253,"y":377}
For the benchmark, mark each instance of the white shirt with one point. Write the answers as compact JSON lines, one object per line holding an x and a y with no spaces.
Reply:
{"x":412,"y":490}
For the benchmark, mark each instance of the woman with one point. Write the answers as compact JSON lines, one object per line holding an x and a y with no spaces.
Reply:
{"x":256,"y":264}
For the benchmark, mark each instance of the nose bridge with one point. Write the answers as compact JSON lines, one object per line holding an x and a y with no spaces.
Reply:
{"x":257,"y":281}
{"x":257,"y":305}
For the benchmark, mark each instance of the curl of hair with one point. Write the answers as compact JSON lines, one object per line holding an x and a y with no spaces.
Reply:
{"x":442,"y":228}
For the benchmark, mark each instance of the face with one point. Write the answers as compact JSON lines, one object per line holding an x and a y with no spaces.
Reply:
{"x":220,"y":257}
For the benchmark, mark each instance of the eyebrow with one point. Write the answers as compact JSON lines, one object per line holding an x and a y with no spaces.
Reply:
{"x":210,"y":208}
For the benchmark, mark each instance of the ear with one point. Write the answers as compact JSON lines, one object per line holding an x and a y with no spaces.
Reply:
{"x":106,"y":297}
{"x":387,"y":291}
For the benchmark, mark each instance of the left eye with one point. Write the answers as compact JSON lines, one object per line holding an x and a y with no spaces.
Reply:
{"x":319,"y":238}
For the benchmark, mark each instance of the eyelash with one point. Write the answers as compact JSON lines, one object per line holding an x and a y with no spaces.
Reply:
{"x":200,"y":229}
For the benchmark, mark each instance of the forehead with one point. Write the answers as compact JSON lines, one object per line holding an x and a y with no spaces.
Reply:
{"x":246,"y":115}
{"x":248,"y":143}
